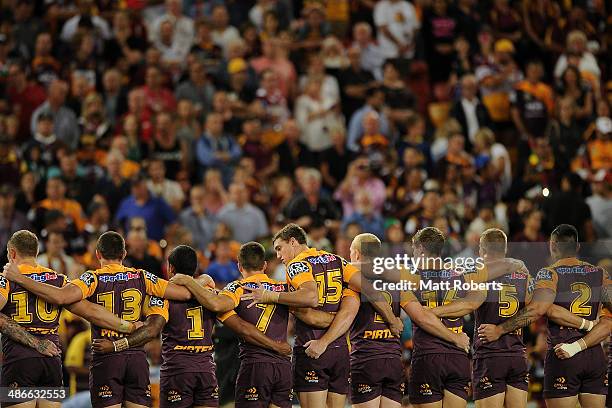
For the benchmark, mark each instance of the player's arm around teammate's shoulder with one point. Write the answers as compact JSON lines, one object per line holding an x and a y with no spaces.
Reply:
{"x":251,"y":334}
{"x":65,"y":295}
{"x":299,"y":276}
{"x":201,"y":291}
{"x":542,"y":292}
{"x":349,"y":307}
{"x":313,"y":317}
{"x":424,"y":318}
{"x":470,"y":302}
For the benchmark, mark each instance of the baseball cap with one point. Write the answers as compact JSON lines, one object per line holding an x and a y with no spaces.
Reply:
{"x":236,"y":65}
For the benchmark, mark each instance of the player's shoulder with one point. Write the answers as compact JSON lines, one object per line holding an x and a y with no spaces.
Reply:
{"x":3,"y":282}
{"x":156,"y":301}
{"x":233,"y":286}
{"x":90,"y":276}
{"x":297,"y":267}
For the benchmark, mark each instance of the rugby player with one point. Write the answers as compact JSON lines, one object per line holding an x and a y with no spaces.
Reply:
{"x":320,"y":364}
{"x":122,"y":377}
{"x":24,"y":366}
{"x":188,"y":371}
{"x":576,"y":286}
{"x":376,"y":369}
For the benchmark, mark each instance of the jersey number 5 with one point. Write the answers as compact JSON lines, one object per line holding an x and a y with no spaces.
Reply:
{"x":508,"y":302}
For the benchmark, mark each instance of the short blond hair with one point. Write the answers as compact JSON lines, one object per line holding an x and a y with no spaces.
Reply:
{"x":494,"y":240}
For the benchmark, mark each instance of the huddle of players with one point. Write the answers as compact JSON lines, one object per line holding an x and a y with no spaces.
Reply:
{"x":322,"y":291}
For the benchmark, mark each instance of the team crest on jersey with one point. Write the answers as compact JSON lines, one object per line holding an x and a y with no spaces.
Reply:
{"x":174,"y":396}
{"x":296,"y":268}
{"x":425,"y":389}
{"x":87,"y":278}
{"x":155,"y":301}
{"x":560,"y":383}
{"x":105,"y":391}
{"x":251,"y":394}
{"x":311,"y":377}
{"x":3,"y":282}
{"x":363,"y":388}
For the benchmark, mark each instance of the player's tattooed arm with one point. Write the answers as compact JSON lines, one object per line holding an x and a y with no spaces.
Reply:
{"x":252,"y":335}
{"x":313,"y":317}
{"x":12,"y":329}
{"x":542,"y":299}
{"x":148,"y":331}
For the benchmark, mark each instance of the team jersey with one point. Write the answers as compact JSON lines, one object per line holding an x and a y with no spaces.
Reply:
{"x":577,"y":286}
{"x":38,"y":317}
{"x":187,"y":344}
{"x":370,"y":335}
{"x":431,"y":292}
{"x":122,"y":291}
{"x":270,"y":319}
{"x":332,"y":274}
{"x":499,"y":306}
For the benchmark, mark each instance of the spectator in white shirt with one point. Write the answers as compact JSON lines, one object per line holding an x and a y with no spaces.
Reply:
{"x":469,"y":111}
{"x":223,"y":34}
{"x":372,"y":57}
{"x":316,"y":117}
{"x":577,"y":45}
{"x":182,"y":32}
{"x":397,"y":23}
{"x":162,"y":187}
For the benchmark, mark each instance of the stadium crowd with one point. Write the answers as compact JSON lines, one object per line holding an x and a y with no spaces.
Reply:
{"x":214,"y":123}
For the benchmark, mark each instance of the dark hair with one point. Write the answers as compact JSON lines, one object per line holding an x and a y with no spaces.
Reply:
{"x":373,"y":90}
{"x":252,"y":256}
{"x":432,"y":240}
{"x":111,"y":245}
{"x":566,"y":237}
{"x":291,"y":231}
{"x":24,"y":242}
{"x":184,"y":260}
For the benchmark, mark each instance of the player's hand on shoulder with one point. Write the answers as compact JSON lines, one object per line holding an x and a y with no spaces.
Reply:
{"x":103,"y":346}
{"x":48,"y":348}
{"x":11,"y":271}
{"x":180,"y":279}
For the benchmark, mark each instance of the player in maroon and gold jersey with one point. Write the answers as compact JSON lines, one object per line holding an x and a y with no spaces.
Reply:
{"x":121,"y":377}
{"x":576,"y":286}
{"x":23,"y":366}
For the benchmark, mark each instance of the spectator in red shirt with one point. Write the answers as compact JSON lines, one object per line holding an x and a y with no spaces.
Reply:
{"x":157,"y":97}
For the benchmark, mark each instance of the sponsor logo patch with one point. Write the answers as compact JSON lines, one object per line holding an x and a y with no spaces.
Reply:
{"x":251,"y":394}
{"x":485,"y":383}
{"x":363,"y":388}
{"x":560,"y":383}
{"x":174,"y":396}
{"x":105,"y":391}
{"x":2,"y":282}
{"x":425,"y":389}
{"x":215,"y":393}
{"x":311,"y":377}
{"x":543,"y":274}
